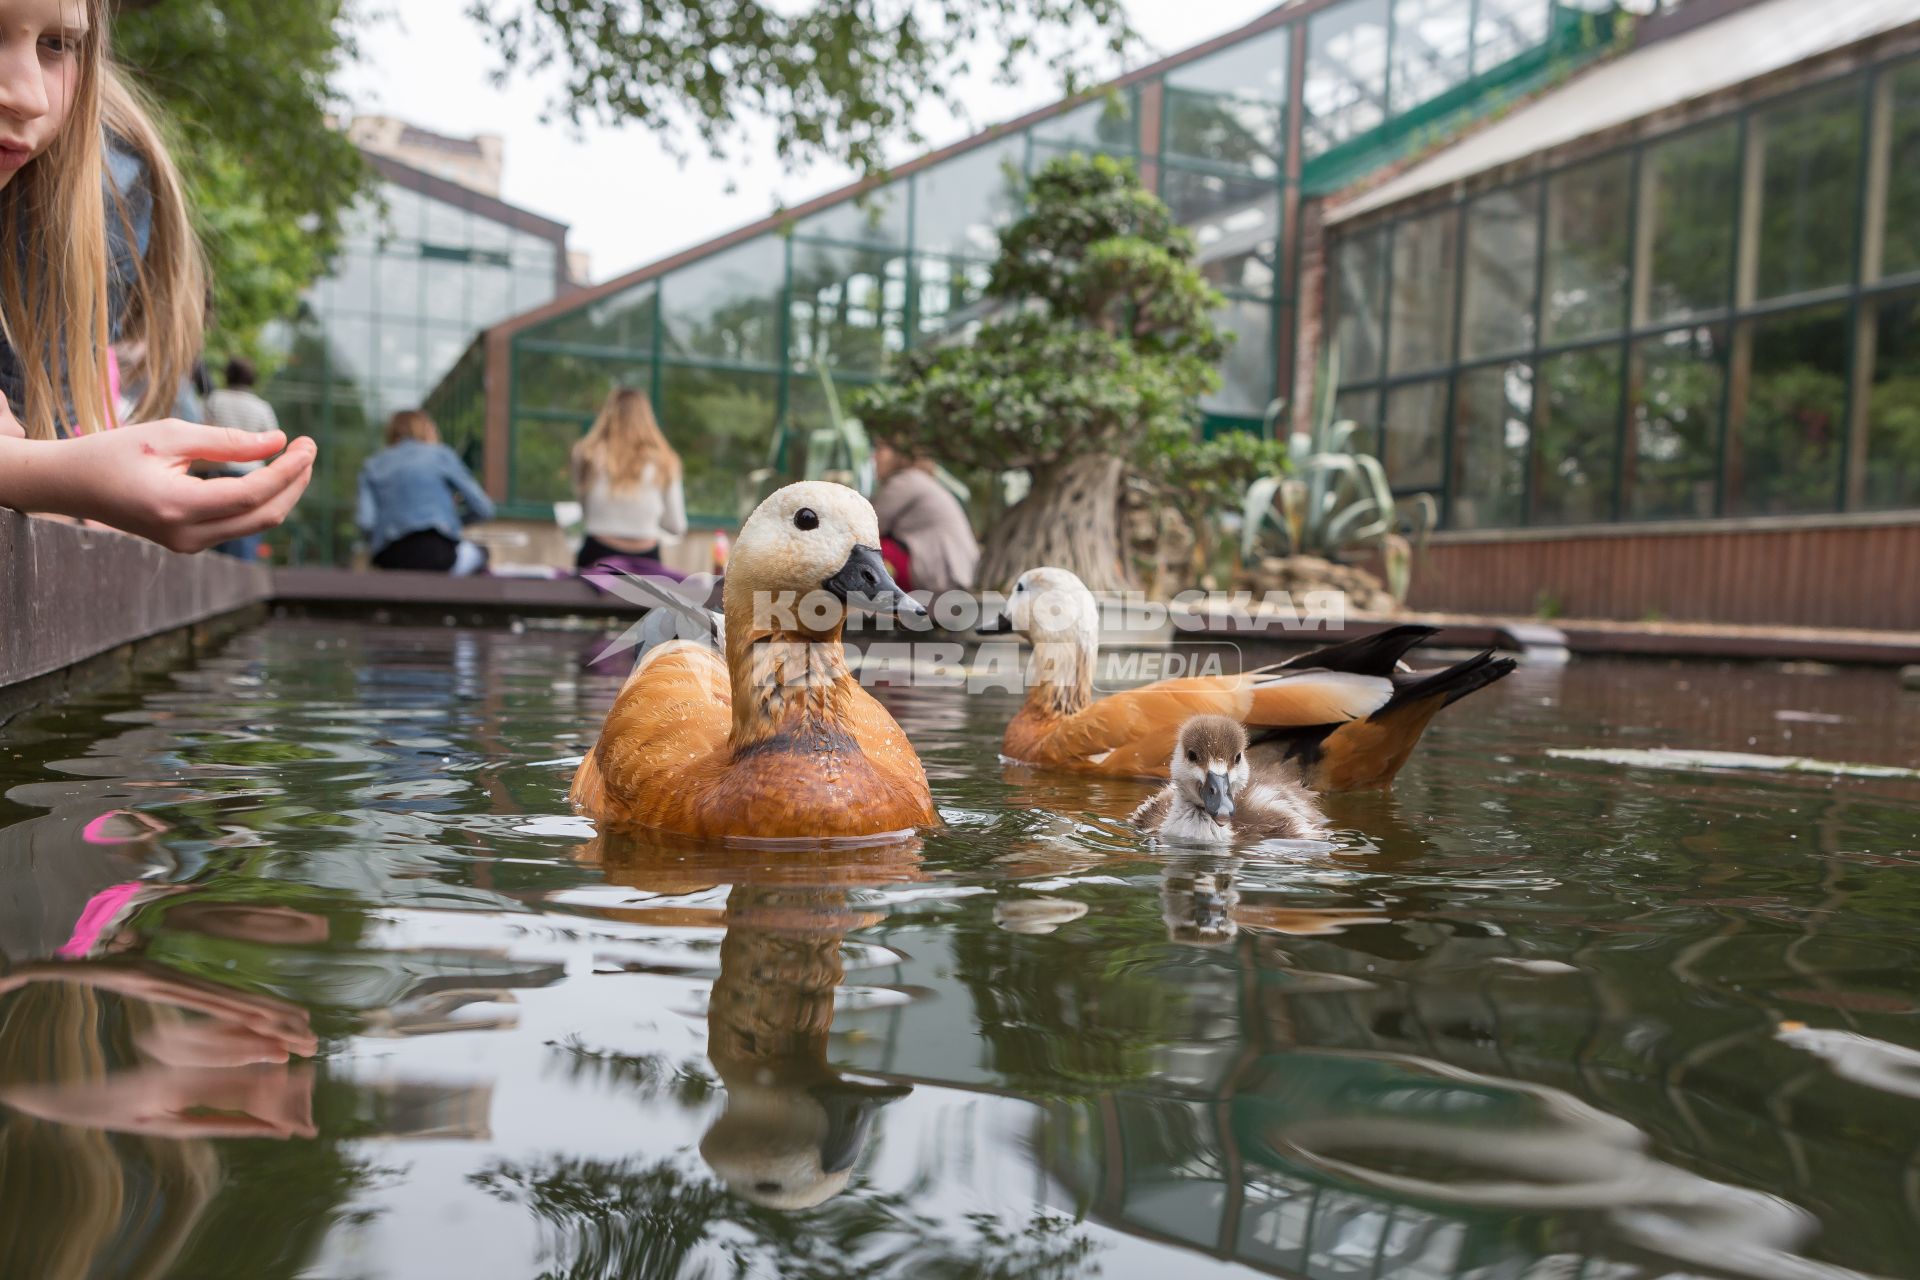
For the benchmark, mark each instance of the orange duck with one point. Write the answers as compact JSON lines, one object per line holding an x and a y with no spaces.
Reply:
{"x":775,"y":740}
{"x":1347,"y":716}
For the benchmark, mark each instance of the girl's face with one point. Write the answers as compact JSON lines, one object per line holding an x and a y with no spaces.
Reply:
{"x":40,"y":48}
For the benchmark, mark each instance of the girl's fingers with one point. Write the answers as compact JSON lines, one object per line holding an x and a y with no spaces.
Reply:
{"x":224,"y":444}
{"x":228,"y":497}
{"x":264,"y":516}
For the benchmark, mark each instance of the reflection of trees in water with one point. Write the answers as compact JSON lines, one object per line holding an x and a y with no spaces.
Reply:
{"x":615,"y":1220}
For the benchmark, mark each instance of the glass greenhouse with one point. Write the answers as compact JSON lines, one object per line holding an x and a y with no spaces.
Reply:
{"x":1235,"y":134}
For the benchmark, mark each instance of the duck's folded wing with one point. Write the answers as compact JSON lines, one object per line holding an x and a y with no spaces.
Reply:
{"x":673,"y":712}
{"x":1133,"y":731}
{"x":884,"y":744}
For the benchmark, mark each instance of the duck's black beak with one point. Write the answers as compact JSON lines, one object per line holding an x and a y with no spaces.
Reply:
{"x":1219,"y":803}
{"x":850,"y":1110}
{"x":864,"y":583}
{"x":1002,"y":625}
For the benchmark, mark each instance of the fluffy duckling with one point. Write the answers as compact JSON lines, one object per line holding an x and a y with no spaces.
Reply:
{"x":1214,"y":799}
{"x":776,"y":739}
{"x":1347,"y":716}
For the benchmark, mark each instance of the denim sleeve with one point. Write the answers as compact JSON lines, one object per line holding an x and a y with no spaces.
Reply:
{"x":364,"y":513}
{"x":129,"y":204}
{"x":479,"y":506}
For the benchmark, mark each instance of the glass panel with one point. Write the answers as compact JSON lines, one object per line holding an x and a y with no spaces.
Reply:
{"x":722,"y":423}
{"x":446,"y":225}
{"x":1810,"y":187}
{"x":1491,"y":406}
{"x":879,"y":217}
{"x":848,"y":306}
{"x":623,"y":321}
{"x":1346,"y":89}
{"x":541,"y":448}
{"x":1902,"y":251}
{"x":1362,"y":409}
{"x":1432,"y":41}
{"x":1229,"y":107}
{"x":1359,"y":290}
{"x":1503,"y":237}
{"x":530,"y":289}
{"x":1576,"y":436}
{"x":444,"y":288}
{"x":1105,"y":124}
{"x":1420,"y":332}
{"x":1585,"y":289}
{"x":1893,"y":411}
{"x":1688,"y":218}
{"x":952,"y":294}
{"x":1506,"y":28}
{"x":962,"y":204}
{"x":1415,"y":421}
{"x":1785,"y":441}
{"x":1233,"y":220}
{"x":355,"y":278}
{"x":1246,"y":375}
{"x":552,"y":382}
{"x":1674,"y":419}
{"x":727,"y":307}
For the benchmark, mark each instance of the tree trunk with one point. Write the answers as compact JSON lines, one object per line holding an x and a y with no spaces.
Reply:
{"x":1069,"y":520}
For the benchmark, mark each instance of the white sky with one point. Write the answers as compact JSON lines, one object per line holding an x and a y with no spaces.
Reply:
{"x":627,"y":200}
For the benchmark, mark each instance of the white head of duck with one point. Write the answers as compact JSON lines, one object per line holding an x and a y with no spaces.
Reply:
{"x":1056,"y":613}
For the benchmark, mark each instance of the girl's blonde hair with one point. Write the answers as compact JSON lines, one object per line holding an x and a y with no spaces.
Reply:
{"x":412,"y":424}
{"x":54,"y":276}
{"x":624,"y":439}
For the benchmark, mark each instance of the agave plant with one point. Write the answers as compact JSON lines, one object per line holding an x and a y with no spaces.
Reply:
{"x":1335,"y":499}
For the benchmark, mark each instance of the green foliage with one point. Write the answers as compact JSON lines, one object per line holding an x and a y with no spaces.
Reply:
{"x":1106,"y":340}
{"x":841,"y":78}
{"x":1203,"y":480}
{"x":247,"y":86}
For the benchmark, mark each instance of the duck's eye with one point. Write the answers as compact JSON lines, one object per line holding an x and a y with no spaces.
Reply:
{"x":1193,"y":757}
{"x":1018,"y":587}
{"x":804,"y":519}
{"x":1236,"y":757}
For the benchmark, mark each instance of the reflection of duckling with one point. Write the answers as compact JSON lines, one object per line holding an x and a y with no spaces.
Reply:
{"x":793,"y":1127}
{"x":777,"y":739}
{"x":1214,"y":798}
{"x":1197,"y":900}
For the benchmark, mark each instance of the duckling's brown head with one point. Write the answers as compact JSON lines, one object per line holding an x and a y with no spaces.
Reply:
{"x":1209,"y":766}
{"x":809,"y":553}
{"x":1050,"y":604}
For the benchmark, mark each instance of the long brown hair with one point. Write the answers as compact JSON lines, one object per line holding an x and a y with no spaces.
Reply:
{"x":167,"y":307}
{"x":623,"y":440}
{"x":53,"y":285}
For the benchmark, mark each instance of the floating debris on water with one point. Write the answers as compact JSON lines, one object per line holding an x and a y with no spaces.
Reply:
{"x":1676,"y":758}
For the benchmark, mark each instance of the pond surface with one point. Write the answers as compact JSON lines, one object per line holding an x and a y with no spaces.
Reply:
{"x":310,"y":972}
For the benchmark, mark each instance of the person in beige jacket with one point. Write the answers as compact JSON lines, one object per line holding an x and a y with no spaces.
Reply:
{"x":925,"y":536}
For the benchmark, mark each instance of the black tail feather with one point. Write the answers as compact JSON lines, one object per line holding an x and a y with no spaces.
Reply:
{"x":1456,"y":681}
{"x":1374,"y":655}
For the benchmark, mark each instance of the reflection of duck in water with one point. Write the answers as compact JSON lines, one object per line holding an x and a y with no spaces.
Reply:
{"x":793,"y":1126}
{"x":777,"y":739}
{"x":1201,"y":905}
{"x":1215,"y":798}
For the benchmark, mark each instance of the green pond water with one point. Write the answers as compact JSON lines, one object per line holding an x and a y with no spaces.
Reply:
{"x":311,"y":972}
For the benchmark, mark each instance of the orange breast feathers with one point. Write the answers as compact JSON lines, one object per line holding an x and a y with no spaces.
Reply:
{"x":664,"y":760}
{"x":1132,"y":733}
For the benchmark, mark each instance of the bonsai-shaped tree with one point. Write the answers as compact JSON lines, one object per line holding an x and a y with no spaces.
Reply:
{"x":1104,"y":340}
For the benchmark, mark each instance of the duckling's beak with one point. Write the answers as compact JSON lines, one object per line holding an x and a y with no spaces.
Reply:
{"x":1001,"y":625}
{"x":864,"y":583}
{"x":1219,"y":803}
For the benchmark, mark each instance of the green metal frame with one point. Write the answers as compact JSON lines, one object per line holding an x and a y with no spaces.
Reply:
{"x":1729,"y":317}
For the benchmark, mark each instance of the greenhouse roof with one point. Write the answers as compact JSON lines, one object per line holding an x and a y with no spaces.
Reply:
{"x":1756,"y":41}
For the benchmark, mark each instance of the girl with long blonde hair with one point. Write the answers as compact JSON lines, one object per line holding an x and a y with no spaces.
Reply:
{"x":628,"y":479}
{"x":96,"y":245}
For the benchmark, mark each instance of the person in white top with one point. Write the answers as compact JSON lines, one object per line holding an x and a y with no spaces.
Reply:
{"x":627,"y":478}
{"x":239,"y":406}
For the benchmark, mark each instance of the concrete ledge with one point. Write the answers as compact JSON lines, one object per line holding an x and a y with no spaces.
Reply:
{"x":69,"y":593}
{"x":325,"y":590}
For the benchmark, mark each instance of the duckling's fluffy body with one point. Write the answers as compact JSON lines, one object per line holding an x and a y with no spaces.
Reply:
{"x":1213,"y":797}
{"x":776,"y":740}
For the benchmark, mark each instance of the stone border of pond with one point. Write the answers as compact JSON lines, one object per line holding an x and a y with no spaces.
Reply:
{"x":79,"y":603}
